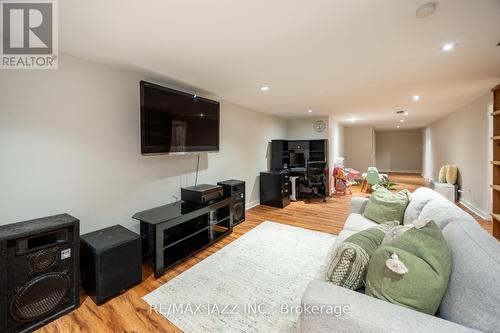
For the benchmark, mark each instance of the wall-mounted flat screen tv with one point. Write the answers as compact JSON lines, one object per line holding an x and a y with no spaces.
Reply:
{"x":173,"y":121}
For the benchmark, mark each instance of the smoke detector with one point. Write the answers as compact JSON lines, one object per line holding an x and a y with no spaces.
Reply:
{"x":426,"y":10}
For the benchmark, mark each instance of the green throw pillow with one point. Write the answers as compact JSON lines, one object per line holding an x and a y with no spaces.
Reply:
{"x":350,"y":260}
{"x":423,"y":262}
{"x":385,"y":205}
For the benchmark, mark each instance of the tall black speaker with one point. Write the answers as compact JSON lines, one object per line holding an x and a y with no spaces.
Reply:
{"x":236,"y":189}
{"x":39,"y":275}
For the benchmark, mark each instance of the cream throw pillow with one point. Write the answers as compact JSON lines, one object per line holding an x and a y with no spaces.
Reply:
{"x":451,"y":174}
{"x":348,"y":265}
{"x":442,"y":174}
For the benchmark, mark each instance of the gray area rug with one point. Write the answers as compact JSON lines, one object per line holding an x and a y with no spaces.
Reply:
{"x":253,"y":284}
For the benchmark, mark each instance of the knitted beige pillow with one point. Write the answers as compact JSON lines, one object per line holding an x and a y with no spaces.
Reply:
{"x":451,"y":174}
{"x":442,"y":174}
{"x":348,"y":265}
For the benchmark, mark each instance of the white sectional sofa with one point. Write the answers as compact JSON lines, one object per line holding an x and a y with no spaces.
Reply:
{"x":472,"y":300}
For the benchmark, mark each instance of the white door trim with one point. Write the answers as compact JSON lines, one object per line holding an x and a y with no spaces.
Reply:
{"x":489,"y":166}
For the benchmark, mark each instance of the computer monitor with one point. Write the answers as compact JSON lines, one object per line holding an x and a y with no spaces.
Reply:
{"x":297,"y":160}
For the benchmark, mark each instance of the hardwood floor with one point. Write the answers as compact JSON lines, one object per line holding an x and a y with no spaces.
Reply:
{"x":129,"y":313}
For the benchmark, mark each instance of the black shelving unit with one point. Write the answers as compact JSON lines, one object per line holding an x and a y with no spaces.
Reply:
{"x":313,"y":150}
{"x":174,"y":232}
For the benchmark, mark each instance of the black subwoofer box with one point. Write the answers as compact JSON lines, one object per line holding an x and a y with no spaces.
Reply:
{"x":110,"y":262}
{"x":39,"y":274}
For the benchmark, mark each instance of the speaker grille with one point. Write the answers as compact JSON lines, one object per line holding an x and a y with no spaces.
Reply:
{"x":43,"y":260}
{"x":40,"y":297}
{"x":238,"y":211}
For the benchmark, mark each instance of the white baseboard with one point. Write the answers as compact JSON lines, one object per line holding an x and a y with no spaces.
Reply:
{"x":252,"y":204}
{"x":428,"y":177}
{"x":474,"y":209}
{"x":400,"y":171}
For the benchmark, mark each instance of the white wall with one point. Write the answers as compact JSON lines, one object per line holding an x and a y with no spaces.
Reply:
{"x":461,"y":138}
{"x":70,"y":142}
{"x":427,"y":162}
{"x":359,"y":147}
{"x":335,"y":145}
{"x":399,"y":150}
{"x":302,"y":128}
{"x":336,"y":136}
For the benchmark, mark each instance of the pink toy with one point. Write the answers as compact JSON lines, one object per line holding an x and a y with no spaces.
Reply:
{"x":344,"y":178}
{"x":340,"y":180}
{"x":353,"y":174}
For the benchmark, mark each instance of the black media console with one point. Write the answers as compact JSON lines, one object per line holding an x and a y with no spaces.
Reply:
{"x":173,"y":232}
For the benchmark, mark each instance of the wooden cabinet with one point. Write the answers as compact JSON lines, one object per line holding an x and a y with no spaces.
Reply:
{"x":495,"y":187}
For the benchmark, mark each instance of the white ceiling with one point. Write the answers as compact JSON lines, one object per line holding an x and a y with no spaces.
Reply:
{"x":360,"y":58}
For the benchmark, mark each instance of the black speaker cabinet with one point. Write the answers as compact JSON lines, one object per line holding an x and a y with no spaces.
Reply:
{"x":236,"y":189}
{"x":110,"y":262}
{"x":39,"y":275}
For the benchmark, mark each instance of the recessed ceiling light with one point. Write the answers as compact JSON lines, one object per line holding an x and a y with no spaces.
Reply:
{"x":416,"y":98}
{"x":448,"y":47}
{"x":426,"y":10}
{"x":407,"y":113}
{"x":264,"y":88}
{"x":352,"y":119}
{"x":401,"y":120}
{"x":309,"y":111}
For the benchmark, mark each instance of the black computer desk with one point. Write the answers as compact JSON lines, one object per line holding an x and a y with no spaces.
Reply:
{"x":297,"y":170}
{"x":300,"y":173}
{"x":276,"y":186}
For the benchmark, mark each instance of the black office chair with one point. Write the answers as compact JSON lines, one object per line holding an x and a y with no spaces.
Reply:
{"x":314,"y":181}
